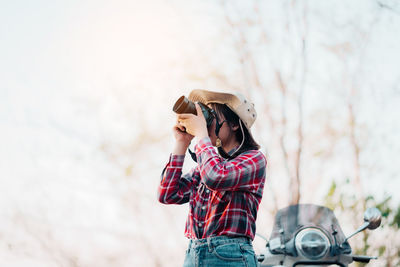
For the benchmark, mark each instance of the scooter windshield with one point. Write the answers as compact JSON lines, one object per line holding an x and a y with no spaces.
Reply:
{"x":289,"y":220}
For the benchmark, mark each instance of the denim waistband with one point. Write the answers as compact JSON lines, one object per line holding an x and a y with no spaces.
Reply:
{"x":218,"y":240}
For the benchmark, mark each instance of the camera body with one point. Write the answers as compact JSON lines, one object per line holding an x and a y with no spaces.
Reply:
{"x":184,"y":105}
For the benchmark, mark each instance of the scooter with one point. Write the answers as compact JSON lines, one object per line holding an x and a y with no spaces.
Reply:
{"x":310,"y":235}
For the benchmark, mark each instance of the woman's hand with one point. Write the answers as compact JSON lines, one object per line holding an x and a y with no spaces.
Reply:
{"x":194,"y":125}
{"x":180,"y":134}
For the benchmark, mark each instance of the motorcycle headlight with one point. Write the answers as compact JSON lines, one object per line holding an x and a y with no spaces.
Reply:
{"x":312,"y":243}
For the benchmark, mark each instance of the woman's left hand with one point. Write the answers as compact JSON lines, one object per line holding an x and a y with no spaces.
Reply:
{"x":194,"y":125}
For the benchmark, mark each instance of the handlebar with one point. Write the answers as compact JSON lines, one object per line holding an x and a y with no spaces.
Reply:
{"x":260,"y":258}
{"x":364,"y":259}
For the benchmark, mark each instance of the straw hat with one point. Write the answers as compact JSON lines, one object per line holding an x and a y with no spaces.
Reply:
{"x":236,"y":102}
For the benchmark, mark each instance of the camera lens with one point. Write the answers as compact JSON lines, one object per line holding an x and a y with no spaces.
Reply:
{"x":184,"y":105}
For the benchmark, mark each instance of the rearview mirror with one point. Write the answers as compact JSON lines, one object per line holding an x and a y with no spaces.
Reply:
{"x":373,"y":216}
{"x":372,"y":220}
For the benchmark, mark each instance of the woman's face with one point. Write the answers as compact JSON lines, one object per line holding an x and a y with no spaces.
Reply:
{"x":226,"y":132}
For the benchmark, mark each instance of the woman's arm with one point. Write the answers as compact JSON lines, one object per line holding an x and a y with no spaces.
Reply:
{"x":175,"y":188}
{"x":245,"y":172}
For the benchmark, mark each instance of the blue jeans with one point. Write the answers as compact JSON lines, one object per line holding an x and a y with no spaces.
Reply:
{"x":220,"y":251}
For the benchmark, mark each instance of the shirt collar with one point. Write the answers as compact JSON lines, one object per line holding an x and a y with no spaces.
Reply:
{"x":230,"y":152}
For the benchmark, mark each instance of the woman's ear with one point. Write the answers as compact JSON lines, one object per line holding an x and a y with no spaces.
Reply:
{"x":234,"y":127}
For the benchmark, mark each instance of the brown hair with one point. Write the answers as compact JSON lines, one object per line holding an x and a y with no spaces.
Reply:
{"x":233,"y":120}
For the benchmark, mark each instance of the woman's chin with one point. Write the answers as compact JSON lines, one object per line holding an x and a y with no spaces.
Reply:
{"x":213,"y":142}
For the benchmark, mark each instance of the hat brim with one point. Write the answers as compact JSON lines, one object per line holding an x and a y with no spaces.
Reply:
{"x":207,"y":97}
{"x":237,"y":103}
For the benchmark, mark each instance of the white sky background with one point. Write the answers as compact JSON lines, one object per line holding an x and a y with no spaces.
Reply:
{"x":86,"y":89}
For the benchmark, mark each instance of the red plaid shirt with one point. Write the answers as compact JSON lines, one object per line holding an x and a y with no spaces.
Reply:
{"x":223,"y":195}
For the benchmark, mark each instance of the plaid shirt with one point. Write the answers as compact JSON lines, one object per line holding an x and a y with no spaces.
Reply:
{"x":223,"y":195}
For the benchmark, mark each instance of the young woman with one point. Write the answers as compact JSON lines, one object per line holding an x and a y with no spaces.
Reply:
{"x":224,"y":190}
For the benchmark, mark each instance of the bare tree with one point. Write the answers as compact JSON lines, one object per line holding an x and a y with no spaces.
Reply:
{"x":286,"y":85}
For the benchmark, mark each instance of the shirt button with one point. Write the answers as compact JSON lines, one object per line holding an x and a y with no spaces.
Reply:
{"x":200,"y":224}
{"x":207,"y":191}
{"x":203,"y":208}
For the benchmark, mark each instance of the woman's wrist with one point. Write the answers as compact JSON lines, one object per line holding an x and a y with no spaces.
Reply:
{"x":180,"y":148}
{"x":202,"y":134}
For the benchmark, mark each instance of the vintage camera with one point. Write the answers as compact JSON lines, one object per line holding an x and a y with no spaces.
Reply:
{"x":184,"y":105}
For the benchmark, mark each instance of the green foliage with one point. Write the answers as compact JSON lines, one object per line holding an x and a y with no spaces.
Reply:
{"x":329,"y":202}
{"x":337,"y":199}
{"x":381,"y":250}
{"x":396,"y":219}
{"x":383,"y":206}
